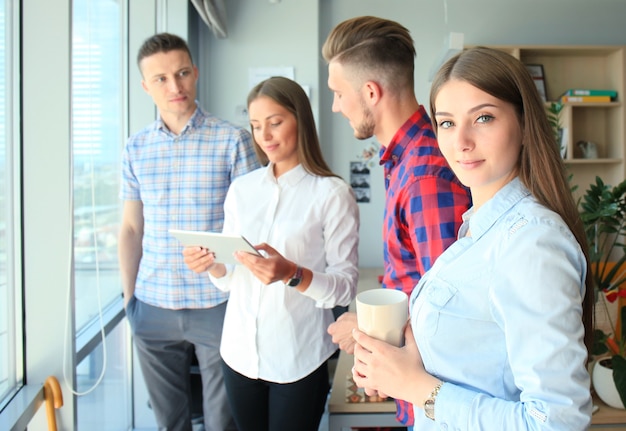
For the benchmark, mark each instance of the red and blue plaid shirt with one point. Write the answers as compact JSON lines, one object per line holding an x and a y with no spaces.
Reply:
{"x":423,"y":209}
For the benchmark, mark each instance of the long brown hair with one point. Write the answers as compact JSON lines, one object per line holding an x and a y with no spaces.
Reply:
{"x":540,"y":165}
{"x":291,"y":96}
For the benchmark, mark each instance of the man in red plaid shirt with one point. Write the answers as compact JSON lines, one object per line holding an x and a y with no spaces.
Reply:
{"x":370,"y":67}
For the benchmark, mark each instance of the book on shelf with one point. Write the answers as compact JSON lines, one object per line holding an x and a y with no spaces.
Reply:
{"x":588,"y":92}
{"x":585,"y":99}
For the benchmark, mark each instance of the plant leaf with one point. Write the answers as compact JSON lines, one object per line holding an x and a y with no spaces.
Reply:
{"x":619,"y":376}
{"x":599,"y":343}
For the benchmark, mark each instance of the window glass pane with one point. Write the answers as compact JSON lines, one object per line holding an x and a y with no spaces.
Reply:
{"x":11,"y":348}
{"x":97,"y":136}
{"x":107,"y":406}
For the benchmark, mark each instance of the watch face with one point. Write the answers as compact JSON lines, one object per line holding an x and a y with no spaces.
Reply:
{"x":297,"y":277}
{"x":429,"y":409}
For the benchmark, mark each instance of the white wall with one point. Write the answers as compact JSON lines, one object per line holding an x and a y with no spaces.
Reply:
{"x":47,"y":184}
{"x":261,"y":34}
{"x":292,"y":32}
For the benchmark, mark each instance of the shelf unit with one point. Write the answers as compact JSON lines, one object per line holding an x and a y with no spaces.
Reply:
{"x":591,"y":67}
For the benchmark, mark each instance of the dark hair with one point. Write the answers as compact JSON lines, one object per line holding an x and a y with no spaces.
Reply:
{"x":162,"y":42}
{"x":291,"y":96}
{"x":540,"y":165}
{"x":375,"y":48}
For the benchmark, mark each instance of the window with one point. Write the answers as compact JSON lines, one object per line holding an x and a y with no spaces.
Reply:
{"x":107,"y":407}
{"x":98,"y":135}
{"x":11,"y":346}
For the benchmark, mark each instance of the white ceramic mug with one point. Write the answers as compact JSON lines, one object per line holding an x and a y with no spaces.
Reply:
{"x":382,"y":314}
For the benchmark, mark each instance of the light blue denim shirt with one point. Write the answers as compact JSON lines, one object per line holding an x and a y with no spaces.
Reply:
{"x":498,"y":319}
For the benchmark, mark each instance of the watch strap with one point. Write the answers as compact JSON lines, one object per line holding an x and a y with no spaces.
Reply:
{"x":429,"y":404}
{"x":295,"y":278}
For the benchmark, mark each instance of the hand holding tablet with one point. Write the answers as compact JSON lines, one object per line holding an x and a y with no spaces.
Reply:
{"x":221,"y":245}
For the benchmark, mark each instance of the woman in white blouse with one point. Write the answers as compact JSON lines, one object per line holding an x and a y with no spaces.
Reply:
{"x":305,"y":220}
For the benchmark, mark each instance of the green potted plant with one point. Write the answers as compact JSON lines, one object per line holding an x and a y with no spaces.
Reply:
{"x":554,"y":117}
{"x":603,"y":212}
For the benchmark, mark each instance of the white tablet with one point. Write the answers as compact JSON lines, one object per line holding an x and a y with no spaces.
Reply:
{"x":223,"y":245}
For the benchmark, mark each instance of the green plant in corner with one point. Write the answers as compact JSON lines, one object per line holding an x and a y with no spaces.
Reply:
{"x":554,"y":118}
{"x":603,"y":212}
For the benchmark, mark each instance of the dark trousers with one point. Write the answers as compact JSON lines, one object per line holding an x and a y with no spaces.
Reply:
{"x":165,"y":341}
{"x":259,"y":405}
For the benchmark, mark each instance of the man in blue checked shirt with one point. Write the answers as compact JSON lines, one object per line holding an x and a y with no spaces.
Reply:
{"x":175,"y":174}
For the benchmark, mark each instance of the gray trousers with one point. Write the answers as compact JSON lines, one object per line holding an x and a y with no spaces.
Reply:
{"x":165,"y":341}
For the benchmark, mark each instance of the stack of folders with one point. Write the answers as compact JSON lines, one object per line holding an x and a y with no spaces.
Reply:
{"x":582,"y":95}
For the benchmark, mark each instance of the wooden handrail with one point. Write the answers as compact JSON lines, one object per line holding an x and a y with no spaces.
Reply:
{"x":53,"y":398}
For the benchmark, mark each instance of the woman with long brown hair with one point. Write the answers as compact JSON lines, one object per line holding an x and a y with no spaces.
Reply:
{"x":498,"y":324}
{"x":275,"y":346}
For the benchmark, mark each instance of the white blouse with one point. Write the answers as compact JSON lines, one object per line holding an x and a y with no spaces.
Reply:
{"x":274,"y":332}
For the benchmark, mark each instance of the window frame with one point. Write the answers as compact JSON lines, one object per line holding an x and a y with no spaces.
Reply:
{"x":13,"y":153}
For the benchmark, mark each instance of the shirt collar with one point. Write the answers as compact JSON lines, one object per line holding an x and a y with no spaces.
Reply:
{"x":289,"y":178}
{"x":479,"y":222}
{"x":196,"y":120}
{"x":404,"y":136}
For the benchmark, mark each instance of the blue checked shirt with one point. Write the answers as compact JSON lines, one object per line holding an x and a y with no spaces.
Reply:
{"x":182,"y":182}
